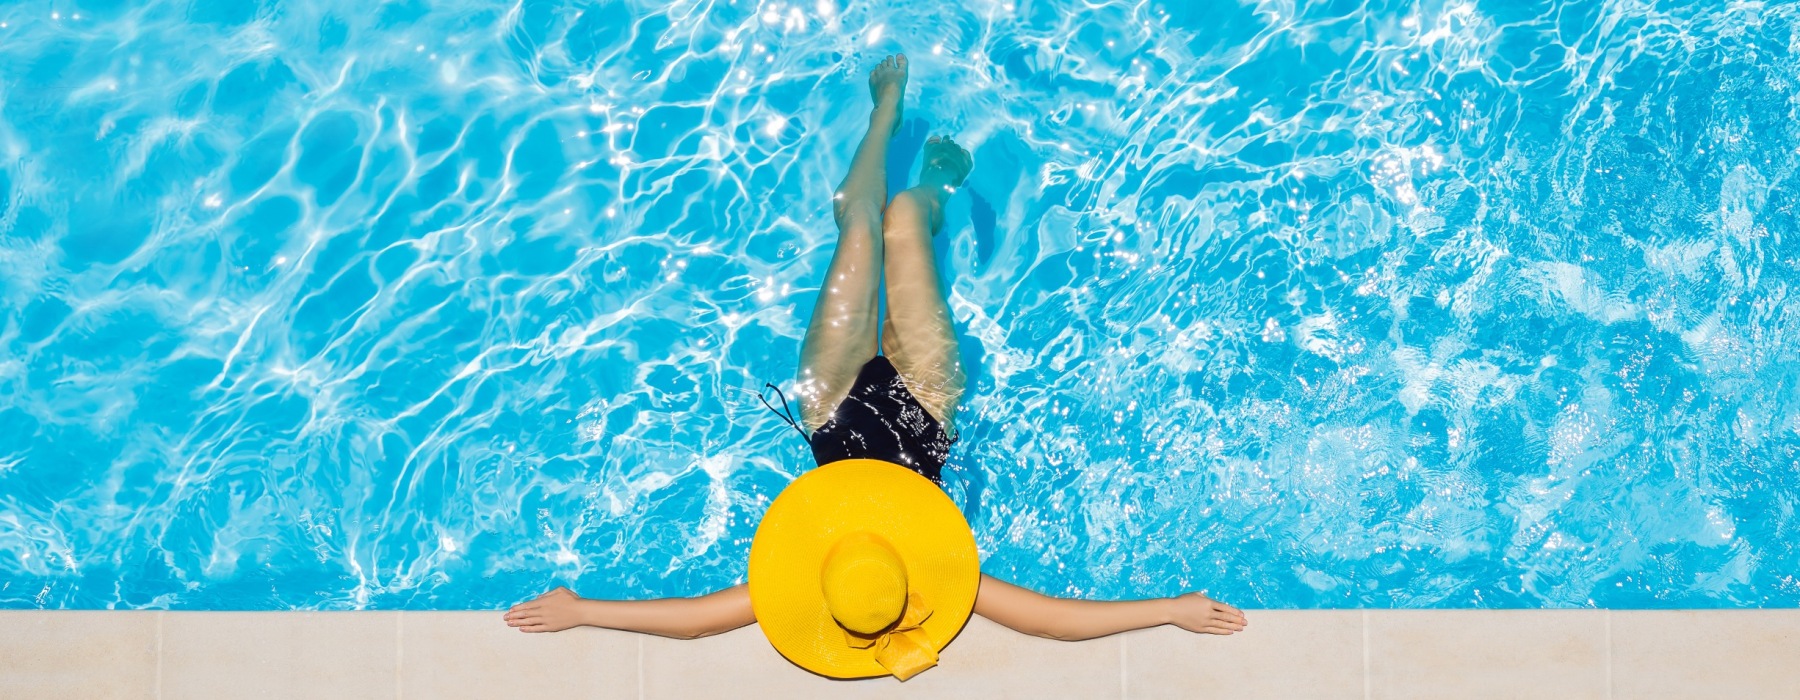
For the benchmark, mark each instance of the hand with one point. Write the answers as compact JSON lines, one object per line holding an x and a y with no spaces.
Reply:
{"x":1195,"y":612}
{"x":555,"y":611}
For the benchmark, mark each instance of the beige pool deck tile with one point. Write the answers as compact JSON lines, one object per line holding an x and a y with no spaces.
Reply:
{"x":1474,"y":654}
{"x":279,"y":655}
{"x":1280,"y":654}
{"x":1460,"y":654}
{"x":985,"y":661}
{"x":476,"y":655}
{"x":1706,"y":654}
{"x":78,"y":654}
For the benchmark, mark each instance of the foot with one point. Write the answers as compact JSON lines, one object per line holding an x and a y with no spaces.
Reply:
{"x":946,"y":164}
{"x":555,"y":611}
{"x":887,"y":86}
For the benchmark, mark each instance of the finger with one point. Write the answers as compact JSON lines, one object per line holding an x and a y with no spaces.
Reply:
{"x":536,"y":628}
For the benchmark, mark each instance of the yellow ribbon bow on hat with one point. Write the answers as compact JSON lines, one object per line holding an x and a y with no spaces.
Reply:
{"x":904,"y":650}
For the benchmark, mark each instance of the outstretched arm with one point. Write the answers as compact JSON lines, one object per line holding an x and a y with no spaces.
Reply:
{"x":681,"y":618}
{"x":1069,"y":619}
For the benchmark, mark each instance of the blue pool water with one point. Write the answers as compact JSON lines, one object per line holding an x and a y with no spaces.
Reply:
{"x":1329,"y":304}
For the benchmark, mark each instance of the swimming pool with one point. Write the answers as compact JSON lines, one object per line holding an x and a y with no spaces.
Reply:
{"x":1391,"y":304}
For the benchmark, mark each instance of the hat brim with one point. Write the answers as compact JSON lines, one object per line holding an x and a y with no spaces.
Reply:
{"x":788,"y":552}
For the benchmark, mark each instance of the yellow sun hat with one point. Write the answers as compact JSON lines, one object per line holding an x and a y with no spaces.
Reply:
{"x":863,"y":568}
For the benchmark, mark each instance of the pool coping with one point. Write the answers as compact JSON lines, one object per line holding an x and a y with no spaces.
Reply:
{"x":1283,"y":654}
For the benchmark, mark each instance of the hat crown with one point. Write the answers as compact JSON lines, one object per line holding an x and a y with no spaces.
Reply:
{"x":864,"y":583}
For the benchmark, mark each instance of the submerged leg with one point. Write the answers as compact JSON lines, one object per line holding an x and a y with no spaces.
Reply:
{"x":841,"y":336}
{"x":919,"y":337}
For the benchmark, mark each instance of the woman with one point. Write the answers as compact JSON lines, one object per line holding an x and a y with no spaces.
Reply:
{"x":890,"y":561}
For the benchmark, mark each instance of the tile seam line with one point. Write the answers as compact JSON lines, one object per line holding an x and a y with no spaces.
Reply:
{"x":159,"y":654}
{"x":1124,"y":669}
{"x":1368,"y":693}
{"x":640,"y":665}
{"x":1609,"y":655}
{"x":399,"y":652}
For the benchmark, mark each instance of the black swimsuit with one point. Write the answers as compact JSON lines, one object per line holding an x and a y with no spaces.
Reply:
{"x":881,"y":419}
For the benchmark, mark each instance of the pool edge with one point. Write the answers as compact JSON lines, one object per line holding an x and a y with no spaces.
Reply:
{"x":1284,"y":653}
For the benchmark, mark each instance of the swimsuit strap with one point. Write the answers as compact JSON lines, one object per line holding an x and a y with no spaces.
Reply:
{"x":789,"y":412}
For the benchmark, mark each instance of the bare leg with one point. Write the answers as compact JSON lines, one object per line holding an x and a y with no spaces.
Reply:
{"x":842,"y":334}
{"x":918,"y":336}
